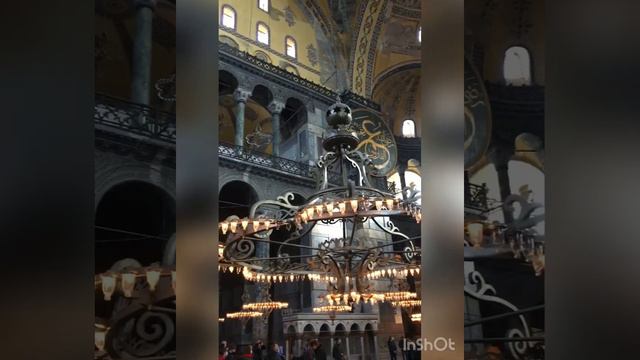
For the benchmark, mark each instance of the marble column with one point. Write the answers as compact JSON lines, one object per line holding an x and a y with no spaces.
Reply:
{"x":500,"y":157}
{"x":375,"y":345}
{"x":240,"y":96}
{"x":275,"y":108}
{"x":346,"y":345}
{"x":362,"y":346}
{"x":141,"y":55}
{"x":330,"y":350}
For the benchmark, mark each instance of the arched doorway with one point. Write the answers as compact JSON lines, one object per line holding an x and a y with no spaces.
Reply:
{"x":325,"y":338}
{"x":370,"y":343}
{"x":134,"y":220}
{"x":355,"y":346}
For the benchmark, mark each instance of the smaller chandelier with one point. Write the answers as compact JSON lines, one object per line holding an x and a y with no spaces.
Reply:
{"x":332,"y":308}
{"x":353,"y":298}
{"x":416,"y":317}
{"x":407,"y":303}
{"x":399,"y":295}
{"x":243,"y":315}
{"x":265,"y":306}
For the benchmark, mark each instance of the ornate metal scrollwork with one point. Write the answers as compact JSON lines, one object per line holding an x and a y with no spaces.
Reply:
{"x":478,"y":288}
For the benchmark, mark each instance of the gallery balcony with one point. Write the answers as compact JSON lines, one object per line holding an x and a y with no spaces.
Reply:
{"x":121,"y":121}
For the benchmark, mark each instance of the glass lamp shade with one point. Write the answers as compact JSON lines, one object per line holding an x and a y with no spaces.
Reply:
{"x":100,"y":337}
{"x":475,"y":233}
{"x":343,"y":207}
{"x":153,"y":276}
{"x":224,"y":226}
{"x":354,"y":205}
{"x":128,"y":284}
{"x":108,"y":285}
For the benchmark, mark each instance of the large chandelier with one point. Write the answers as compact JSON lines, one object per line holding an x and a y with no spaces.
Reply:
{"x":347,"y":196}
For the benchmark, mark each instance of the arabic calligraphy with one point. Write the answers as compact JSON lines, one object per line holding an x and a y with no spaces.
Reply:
{"x":375,"y":140}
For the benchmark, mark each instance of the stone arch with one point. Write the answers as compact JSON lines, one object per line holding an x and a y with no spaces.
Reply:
{"x":240,"y":195}
{"x":227,"y":82}
{"x":109,"y":174}
{"x":309,"y":331}
{"x":262,"y":95}
{"x":134,"y":219}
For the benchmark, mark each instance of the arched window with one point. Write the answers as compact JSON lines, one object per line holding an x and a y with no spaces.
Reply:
{"x":408,"y":128}
{"x":263,"y":5}
{"x":262,"y":33}
{"x":420,"y":34}
{"x":228,"y":17}
{"x":517,"y":66}
{"x":290,"y":46}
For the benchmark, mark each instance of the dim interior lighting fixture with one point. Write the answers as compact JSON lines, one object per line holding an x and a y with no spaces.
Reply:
{"x":153,"y":276}
{"x":332,"y":308}
{"x":128,"y":283}
{"x":416,"y":317}
{"x":399,"y":295}
{"x":346,"y":264}
{"x":407,"y":303}
{"x":108,"y":285}
{"x":220,"y":320}
{"x":476,"y":234}
{"x":265,"y":306}
{"x":243,"y":314}
{"x":128,"y":278}
{"x":100,"y":335}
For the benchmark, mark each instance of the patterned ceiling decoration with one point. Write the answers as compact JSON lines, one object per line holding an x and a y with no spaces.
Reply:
{"x":477,"y":116}
{"x":407,"y":8}
{"x":363,"y":54}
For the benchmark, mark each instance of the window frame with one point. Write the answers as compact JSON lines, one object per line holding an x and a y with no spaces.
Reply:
{"x":268,"y":6}
{"x":235,"y":17}
{"x":295,"y":47}
{"x":268,"y":33}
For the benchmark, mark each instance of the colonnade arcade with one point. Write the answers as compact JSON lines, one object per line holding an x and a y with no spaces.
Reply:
{"x":358,"y":338}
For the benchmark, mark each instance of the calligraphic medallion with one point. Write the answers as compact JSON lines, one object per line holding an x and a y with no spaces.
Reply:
{"x":376,"y":140}
{"x":477,"y":116}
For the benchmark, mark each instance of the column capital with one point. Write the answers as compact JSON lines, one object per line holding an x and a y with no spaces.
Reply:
{"x":151,"y":4}
{"x":276,"y":107}
{"x":241,"y":95}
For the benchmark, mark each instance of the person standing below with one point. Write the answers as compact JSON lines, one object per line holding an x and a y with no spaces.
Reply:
{"x":336,"y":352}
{"x":393,"y":348}
{"x":257,"y":350}
{"x":273,"y":352}
{"x":308,"y":352}
{"x":318,"y":351}
{"x":403,"y":347}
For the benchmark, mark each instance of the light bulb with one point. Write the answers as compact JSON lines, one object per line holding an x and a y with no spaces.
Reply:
{"x":378,"y":204}
{"x":267,"y":223}
{"x":319,"y":209}
{"x":108,"y":285}
{"x":342,"y":206}
{"x":354,"y":205}
{"x":329,"y":207}
{"x":389,"y":204}
{"x":153,"y":276}
{"x":304,"y":217}
{"x":256,"y":225}
{"x":245,"y":223}
{"x":224,"y":226}
{"x":231,"y":268}
{"x":475,"y":233}
{"x":310,"y":212}
{"x":128,"y":283}
{"x":99,"y":337}
{"x":233,"y":225}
